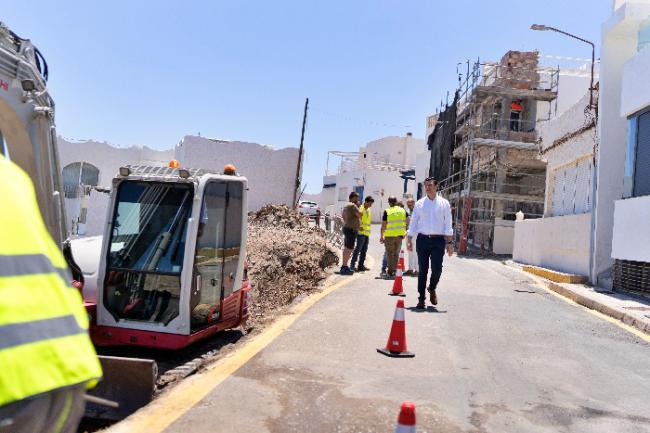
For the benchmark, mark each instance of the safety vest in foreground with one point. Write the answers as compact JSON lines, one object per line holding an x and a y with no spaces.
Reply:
{"x":365,"y":221}
{"x":396,"y":222}
{"x":44,"y":342}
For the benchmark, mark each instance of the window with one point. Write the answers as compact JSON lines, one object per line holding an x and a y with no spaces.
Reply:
{"x":217,"y":250}
{"x":76,"y":175}
{"x":343,"y":193}
{"x":636,"y":181}
{"x":146,"y":249}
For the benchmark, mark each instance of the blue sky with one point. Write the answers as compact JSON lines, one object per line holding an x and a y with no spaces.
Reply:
{"x":145,"y":72}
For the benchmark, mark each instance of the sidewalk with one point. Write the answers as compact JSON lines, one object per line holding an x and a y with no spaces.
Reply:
{"x":633,"y":311}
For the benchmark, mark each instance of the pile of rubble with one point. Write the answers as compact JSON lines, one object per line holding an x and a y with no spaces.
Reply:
{"x":287,"y":258}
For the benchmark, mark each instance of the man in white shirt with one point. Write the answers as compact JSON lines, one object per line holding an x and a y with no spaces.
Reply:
{"x":431,"y":226}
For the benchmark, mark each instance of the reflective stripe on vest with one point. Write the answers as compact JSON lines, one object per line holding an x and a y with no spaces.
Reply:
{"x":26,"y":264}
{"x":16,"y":334}
{"x":365,"y":222}
{"x":395,"y":222}
{"x":44,"y":342}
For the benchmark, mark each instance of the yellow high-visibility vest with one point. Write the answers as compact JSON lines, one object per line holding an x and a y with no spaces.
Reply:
{"x":395,"y":222}
{"x":365,"y":221}
{"x":44,"y":342}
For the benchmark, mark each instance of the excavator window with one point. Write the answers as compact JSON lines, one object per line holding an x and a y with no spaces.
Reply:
{"x":217,"y":250}
{"x":147,"y":244}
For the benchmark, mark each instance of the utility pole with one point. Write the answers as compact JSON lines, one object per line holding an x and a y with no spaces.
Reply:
{"x":302,"y":140}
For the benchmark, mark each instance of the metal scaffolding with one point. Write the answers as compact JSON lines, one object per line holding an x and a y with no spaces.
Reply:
{"x":495,"y":165}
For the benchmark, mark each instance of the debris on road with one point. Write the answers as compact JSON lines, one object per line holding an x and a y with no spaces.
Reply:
{"x":287,"y":257}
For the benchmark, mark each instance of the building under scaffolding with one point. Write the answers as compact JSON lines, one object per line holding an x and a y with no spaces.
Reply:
{"x":495,"y":169}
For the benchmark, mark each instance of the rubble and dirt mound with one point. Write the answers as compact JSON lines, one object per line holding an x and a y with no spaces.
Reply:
{"x":287,"y":258}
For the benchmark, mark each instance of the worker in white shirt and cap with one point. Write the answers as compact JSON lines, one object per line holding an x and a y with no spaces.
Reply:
{"x":431,"y":226}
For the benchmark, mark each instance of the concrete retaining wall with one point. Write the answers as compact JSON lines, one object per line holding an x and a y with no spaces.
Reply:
{"x":560,"y":243}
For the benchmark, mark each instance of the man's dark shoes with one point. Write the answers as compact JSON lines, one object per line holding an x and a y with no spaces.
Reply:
{"x":432,"y":296}
{"x":362,"y":269}
{"x":345,"y":270}
{"x":420,"y":305}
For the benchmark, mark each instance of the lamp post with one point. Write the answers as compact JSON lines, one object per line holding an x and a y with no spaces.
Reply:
{"x":543,"y":28}
{"x":592,"y":235}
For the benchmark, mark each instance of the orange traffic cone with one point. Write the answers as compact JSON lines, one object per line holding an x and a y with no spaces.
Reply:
{"x":396,"y":346}
{"x":401,"y":259}
{"x":398,"y":287}
{"x":406,"y":418}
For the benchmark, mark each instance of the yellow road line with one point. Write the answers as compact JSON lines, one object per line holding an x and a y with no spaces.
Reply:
{"x":166,"y":409}
{"x":645,"y":337}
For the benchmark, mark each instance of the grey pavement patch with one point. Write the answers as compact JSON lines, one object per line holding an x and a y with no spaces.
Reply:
{"x":559,"y":416}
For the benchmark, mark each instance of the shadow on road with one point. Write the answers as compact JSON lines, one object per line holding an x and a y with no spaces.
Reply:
{"x":429,"y":309}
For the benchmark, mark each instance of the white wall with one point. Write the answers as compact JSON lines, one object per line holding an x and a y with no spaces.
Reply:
{"x":504,"y":234}
{"x":270,"y":173}
{"x":632,"y":229}
{"x":560,"y":243}
{"x":422,"y":162}
{"x":570,"y":90}
{"x":400,"y":150}
{"x":108,"y":159}
{"x":573,"y":158}
{"x":619,"y":43}
{"x":635,"y":94}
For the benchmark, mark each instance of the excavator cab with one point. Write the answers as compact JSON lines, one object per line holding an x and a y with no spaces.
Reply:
{"x":173,"y":257}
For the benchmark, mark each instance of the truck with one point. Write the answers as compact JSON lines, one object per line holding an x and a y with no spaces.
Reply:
{"x":170,"y":267}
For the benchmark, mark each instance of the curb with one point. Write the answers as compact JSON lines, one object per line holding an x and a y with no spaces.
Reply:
{"x":585,"y":301}
{"x":643,"y":326}
{"x":558,"y":277}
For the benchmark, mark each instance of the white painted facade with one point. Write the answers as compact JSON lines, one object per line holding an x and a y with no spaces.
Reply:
{"x":376,"y":168}
{"x":631,"y":239}
{"x":270,"y":173}
{"x":569,"y":169}
{"x":619,"y":45}
{"x":108,"y":159}
{"x":631,"y":226}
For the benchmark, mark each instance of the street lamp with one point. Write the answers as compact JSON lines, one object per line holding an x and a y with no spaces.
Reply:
{"x":543,"y":28}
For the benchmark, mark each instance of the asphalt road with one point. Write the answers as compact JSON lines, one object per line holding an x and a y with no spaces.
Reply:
{"x":500,"y":354}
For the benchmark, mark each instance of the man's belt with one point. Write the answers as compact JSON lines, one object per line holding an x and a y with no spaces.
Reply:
{"x":432,"y":236}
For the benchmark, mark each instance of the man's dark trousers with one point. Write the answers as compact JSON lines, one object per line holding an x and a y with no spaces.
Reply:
{"x":360,"y":250}
{"x":429,"y":250}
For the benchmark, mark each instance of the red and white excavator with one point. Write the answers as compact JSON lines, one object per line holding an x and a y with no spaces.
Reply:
{"x":171,"y":261}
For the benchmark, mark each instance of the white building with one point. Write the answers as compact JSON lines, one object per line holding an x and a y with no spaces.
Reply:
{"x":631,"y":213}
{"x":377,"y":169}
{"x":271,"y":173}
{"x":561,"y":239}
{"x":90,"y":163}
{"x":605,"y":235}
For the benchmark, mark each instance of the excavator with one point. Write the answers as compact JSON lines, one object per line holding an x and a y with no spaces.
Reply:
{"x":170,"y":268}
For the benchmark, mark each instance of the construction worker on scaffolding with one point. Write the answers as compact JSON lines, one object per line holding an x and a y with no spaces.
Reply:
{"x":515,"y":115}
{"x":393,"y":230}
{"x":46,"y":355}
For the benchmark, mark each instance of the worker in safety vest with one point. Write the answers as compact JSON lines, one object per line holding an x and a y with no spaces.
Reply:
{"x":393,"y":230}
{"x":515,"y":115}
{"x":363,"y":237}
{"x":47,"y":360}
